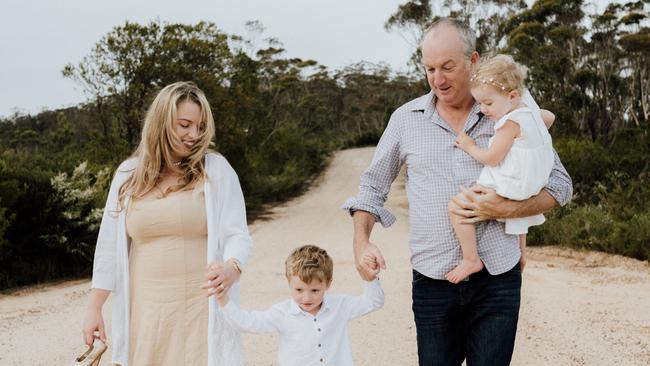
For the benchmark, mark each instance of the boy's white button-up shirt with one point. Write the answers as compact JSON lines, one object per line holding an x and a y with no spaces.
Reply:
{"x":306,"y":339}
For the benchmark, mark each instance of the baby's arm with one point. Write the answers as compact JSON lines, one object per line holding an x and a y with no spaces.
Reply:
{"x":266,"y":321}
{"x":503,"y":140}
{"x":548,"y":117}
{"x":371,"y":300}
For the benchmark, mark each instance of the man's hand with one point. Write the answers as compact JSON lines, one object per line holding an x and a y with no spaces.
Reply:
{"x":368,"y":260}
{"x":480,"y":204}
{"x":464,"y":142}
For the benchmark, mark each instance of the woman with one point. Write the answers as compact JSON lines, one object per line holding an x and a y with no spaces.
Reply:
{"x":171,"y":203}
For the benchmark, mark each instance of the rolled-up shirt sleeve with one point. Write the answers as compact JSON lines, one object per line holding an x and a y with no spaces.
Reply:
{"x":378,"y":177}
{"x":559,"y":186}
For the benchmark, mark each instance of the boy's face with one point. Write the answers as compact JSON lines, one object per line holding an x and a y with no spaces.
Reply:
{"x":309,"y":296}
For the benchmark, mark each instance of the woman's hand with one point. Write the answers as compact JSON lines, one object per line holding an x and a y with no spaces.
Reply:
{"x":93,"y":322}
{"x":220,"y":277}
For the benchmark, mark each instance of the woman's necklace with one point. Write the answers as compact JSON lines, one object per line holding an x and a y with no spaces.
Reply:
{"x":165,"y":176}
{"x":162,"y":193}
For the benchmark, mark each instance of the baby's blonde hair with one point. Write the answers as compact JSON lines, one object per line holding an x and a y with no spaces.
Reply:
{"x":309,"y":262}
{"x":501,"y":72}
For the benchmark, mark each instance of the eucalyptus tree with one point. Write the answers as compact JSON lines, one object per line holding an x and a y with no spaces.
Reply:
{"x":132,"y":61}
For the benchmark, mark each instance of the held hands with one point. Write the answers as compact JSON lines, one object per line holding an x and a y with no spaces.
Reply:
{"x":369,"y":261}
{"x":222,"y":298}
{"x":464,"y":142}
{"x":220,"y":277}
{"x":480,"y":204}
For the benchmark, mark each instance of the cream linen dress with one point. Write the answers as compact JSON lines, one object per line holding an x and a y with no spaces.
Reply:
{"x":169,"y":312}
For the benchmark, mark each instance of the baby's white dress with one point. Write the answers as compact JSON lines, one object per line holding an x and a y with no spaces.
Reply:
{"x":526,"y":168}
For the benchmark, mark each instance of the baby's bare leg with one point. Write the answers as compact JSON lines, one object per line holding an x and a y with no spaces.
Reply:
{"x":522,"y":246}
{"x":466,"y":234}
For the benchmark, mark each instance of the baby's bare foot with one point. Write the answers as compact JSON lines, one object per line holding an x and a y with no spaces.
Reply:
{"x":464,"y":269}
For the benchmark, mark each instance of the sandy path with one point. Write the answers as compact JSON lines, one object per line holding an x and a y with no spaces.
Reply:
{"x":578,"y":308}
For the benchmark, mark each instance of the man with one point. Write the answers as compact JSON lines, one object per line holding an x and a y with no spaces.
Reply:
{"x":476,"y":319}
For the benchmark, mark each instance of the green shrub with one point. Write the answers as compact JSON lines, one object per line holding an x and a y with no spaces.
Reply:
{"x":586,"y":226}
{"x":587,"y":163}
{"x":632,"y":238}
{"x":619,"y":224}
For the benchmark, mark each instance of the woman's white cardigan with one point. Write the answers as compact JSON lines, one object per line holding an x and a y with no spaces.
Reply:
{"x":227,"y":238}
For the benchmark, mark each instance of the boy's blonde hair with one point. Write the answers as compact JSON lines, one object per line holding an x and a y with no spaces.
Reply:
{"x":501,"y":72}
{"x":309,"y":262}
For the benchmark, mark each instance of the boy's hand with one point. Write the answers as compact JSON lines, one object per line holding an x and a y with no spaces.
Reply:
{"x":366,"y":272}
{"x":370,"y":261}
{"x":222,"y":298}
{"x":464,"y":142}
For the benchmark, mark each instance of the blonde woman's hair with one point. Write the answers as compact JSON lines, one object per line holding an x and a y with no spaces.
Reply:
{"x":154,"y":153}
{"x":501,"y":72}
{"x":309,"y":262}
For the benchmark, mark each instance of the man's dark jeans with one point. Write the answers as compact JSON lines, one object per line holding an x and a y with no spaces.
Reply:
{"x":475,"y":319}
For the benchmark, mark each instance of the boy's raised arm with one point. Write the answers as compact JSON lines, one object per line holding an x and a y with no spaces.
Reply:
{"x":265,"y":321}
{"x":371,"y":300}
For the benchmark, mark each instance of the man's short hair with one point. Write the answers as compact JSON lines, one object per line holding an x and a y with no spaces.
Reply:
{"x":309,"y":262}
{"x":466,"y":33}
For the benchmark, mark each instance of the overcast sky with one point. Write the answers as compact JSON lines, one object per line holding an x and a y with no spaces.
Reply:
{"x":38,"y":37}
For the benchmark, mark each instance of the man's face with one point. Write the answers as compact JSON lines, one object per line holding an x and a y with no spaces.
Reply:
{"x":309,"y":296}
{"x":447,"y":66}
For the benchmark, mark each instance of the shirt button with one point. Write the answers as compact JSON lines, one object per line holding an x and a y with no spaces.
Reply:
{"x":319,"y":329}
{"x":321,"y":360}
{"x":319,"y":345}
{"x":314,"y":319}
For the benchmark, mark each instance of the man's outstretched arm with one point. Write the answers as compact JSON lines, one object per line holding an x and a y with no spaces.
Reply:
{"x":368,"y":206}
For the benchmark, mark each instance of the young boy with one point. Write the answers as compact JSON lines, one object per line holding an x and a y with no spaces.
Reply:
{"x":312,"y":325}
